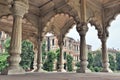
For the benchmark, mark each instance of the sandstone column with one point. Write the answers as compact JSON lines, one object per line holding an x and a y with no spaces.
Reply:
{"x":54,"y":65}
{"x":35,"y":60}
{"x":105,"y":57}
{"x":19,"y":8}
{"x":61,"y":66}
{"x":82,"y":29}
{"x":39,"y":56}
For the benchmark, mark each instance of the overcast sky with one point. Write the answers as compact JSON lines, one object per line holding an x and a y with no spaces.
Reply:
{"x":92,"y":38}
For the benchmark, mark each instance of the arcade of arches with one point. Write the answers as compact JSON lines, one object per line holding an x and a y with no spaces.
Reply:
{"x":32,"y":19}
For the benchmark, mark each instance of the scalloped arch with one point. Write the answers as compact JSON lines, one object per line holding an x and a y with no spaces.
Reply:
{"x":113,"y":17}
{"x":50,"y":24}
{"x":97,"y":26}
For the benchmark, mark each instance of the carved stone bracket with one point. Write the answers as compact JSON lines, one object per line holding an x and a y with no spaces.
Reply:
{"x":82,"y":28}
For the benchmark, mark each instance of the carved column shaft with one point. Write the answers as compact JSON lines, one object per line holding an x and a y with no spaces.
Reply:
{"x":82,"y":29}
{"x":83,"y":53}
{"x":61,"y":56}
{"x":15,"y":46}
{"x":104,"y":52}
{"x":61,"y":43}
{"x":105,"y":57}
{"x":19,"y":9}
{"x":35,"y":59}
{"x":39,"y":55}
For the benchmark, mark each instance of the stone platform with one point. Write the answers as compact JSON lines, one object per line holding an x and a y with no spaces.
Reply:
{"x":62,"y":76}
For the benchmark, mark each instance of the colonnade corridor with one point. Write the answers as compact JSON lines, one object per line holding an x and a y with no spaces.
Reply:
{"x":32,"y":19}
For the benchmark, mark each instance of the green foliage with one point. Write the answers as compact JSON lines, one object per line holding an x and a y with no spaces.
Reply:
{"x":118,"y":61}
{"x":78,"y":64}
{"x":48,"y":65}
{"x":97,"y":69}
{"x":97,"y":60}
{"x":3,"y":56}
{"x":69,"y":62}
{"x":3,"y":61}
{"x":43,"y":52}
{"x":90,"y":60}
{"x":7,"y":44}
{"x":112,"y":62}
{"x":27,"y":55}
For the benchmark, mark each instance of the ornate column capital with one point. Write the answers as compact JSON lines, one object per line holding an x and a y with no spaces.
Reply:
{"x":103,"y":37}
{"x":60,"y":39}
{"x":60,"y":43}
{"x":82,"y":28}
{"x":19,"y":7}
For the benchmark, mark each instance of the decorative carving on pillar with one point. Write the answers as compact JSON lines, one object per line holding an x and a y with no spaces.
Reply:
{"x":61,"y":43}
{"x":82,"y":29}
{"x":39,"y":55}
{"x":35,"y":49}
{"x":105,"y":57}
{"x":19,"y":9}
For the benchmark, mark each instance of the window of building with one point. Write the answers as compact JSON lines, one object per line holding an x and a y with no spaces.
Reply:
{"x":65,"y":55}
{"x":53,"y":43}
{"x":77,"y":58}
{"x":48,"y":44}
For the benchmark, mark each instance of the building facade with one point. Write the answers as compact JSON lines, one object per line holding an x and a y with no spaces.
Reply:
{"x":71,"y":46}
{"x":3,"y":37}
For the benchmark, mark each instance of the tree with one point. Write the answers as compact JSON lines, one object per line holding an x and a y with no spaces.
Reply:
{"x":69,"y":62}
{"x":43,"y":52}
{"x":3,"y":57}
{"x":97,"y":63}
{"x":7,"y":44}
{"x":90,"y":61}
{"x":112,"y":62}
{"x":118,"y":61}
{"x":48,"y":65}
{"x":3,"y":61}
{"x":27,"y":55}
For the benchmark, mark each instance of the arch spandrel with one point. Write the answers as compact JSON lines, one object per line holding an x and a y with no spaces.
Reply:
{"x":110,"y":14}
{"x":58,"y":24}
{"x":75,"y":5}
{"x":95,"y":18}
{"x":6,"y":24}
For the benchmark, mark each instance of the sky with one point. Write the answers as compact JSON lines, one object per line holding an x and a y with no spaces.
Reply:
{"x":92,"y":39}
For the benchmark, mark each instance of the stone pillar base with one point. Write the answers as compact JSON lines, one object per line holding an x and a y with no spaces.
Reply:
{"x":83,"y":71}
{"x":13,"y":71}
{"x":61,"y":70}
{"x":40,"y":70}
{"x":107,"y":70}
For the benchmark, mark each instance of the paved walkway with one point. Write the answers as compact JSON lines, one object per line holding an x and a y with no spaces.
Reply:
{"x":62,"y":76}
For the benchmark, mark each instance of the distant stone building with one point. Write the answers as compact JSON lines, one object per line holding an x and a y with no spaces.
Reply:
{"x":71,"y":46}
{"x":3,"y":37}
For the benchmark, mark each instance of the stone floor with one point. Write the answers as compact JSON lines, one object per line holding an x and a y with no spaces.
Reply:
{"x":62,"y":76}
